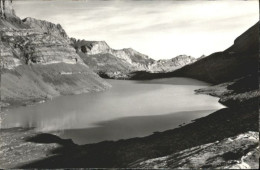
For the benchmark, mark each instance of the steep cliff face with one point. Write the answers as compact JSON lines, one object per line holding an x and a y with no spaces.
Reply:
{"x":109,"y":62}
{"x":38,"y":62}
{"x":91,"y":47}
{"x":128,"y":55}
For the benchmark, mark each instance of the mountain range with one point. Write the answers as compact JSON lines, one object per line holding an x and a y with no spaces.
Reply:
{"x":120,"y":64}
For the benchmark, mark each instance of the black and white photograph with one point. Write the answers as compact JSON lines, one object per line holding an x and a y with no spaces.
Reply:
{"x":129,"y":84}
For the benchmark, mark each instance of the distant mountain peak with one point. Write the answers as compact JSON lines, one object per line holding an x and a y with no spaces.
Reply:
{"x":167,"y":65}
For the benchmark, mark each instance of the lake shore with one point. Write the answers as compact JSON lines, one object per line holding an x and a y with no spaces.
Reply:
{"x":221,"y":124}
{"x":131,"y":108}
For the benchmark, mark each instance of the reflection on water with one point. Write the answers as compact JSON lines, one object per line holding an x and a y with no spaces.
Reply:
{"x":129,"y":109}
{"x":129,"y":127}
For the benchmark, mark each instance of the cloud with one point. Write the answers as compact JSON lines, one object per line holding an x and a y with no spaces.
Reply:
{"x":158,"y":28}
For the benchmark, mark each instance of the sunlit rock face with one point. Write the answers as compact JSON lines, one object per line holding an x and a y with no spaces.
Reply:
{"x":128,"y":55}
{"x":113,"y":63}
{"x":34,"y":56}
{"x":94,"y":47}
{"x":169,"y":65}
{"x":239,"y":152}
{"x":136,"y":59}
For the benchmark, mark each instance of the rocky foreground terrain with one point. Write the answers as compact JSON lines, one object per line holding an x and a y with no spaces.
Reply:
{"x":15,"y":150}
{"x":239,"y":152}
{"x":38,"y":62}
{"x":120,"y":64}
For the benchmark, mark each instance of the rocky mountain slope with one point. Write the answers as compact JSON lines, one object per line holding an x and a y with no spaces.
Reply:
{"x":239,"y":60}
{"x":46,"y":27}
{"x":120,"y":64}
{"x":38,"y":62}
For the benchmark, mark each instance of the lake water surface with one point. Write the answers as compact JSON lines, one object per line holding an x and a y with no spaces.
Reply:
{"x":128,"y":109}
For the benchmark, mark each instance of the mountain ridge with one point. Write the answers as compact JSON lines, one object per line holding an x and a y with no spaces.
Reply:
{"x":130,"y":60}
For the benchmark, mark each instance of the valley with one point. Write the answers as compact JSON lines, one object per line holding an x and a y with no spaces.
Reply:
{"x":83,"y":104}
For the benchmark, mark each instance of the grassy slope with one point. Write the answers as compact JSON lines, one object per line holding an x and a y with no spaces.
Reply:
{"x":26,"y":84}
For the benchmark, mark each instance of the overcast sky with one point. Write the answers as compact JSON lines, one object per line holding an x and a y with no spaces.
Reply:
{"x":158,"y":28}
